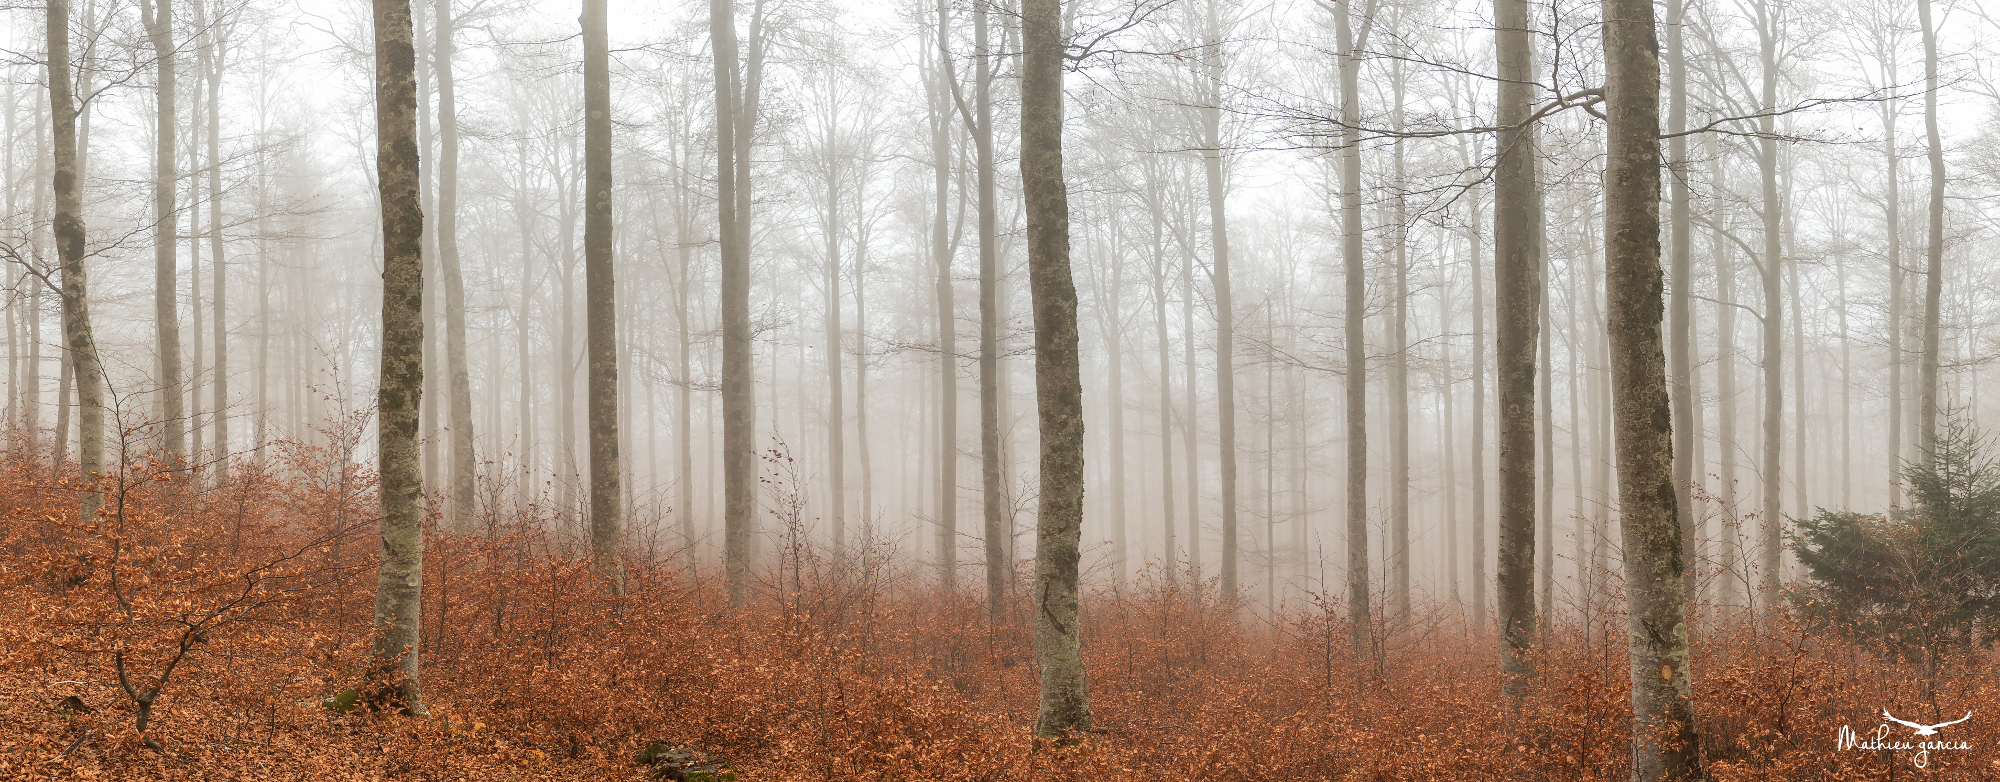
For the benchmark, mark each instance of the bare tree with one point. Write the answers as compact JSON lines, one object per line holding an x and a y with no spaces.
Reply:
{"x":1664,"y":743}
{"x":607,"y":523}
{"x":1927,"y":391}
{"x":1517,"y":276}
{"x":1065,"y":688}
{"x":739,"y":415}
{"x":159,"y":24}
{"x":1355,"y":297}
{"x":393,"y":673}
{"x":69,"y":235}
{"x":459,"y":388}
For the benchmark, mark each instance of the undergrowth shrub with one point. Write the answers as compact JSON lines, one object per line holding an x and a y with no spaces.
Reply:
{"x":257,"y":593}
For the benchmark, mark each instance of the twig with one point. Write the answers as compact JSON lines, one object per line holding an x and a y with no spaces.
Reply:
{"x":74,"y":744}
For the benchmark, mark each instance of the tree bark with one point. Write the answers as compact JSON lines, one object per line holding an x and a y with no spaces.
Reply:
{"x":463,"y":459}
{"x":1735,"y":584}
{"x":1170,"y":554}
{"x":1893,"y":227}
{"x":992,"y":485}
{"x":1927,"y":391}
{"x":739,"y":406}
{"x":1517,"y":277}
{"x":836,"y":413}
{"x":1065,"y":689}
{"x":1355,"y":302}
{"x":219,"y":308}
{"x":399,"y":581}
{"x":159,"y":21}
{"x":69,"y":235}
{"x":1664,"y":743}
{"x":607,"y":523}
{"x":946,"y":518}
{"x":1771,"y":519}
{"x":1680,"y":307}
{"x":1225,"y":318}
{"x":1399,"y":364}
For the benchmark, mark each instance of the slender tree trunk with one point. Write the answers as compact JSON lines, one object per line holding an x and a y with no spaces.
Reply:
{"x":69,"y":237}
{"x":739,"y":458}
{"x":1225,"y":318}
{"x":1735,"y":585}
{"x":1065,"y":690}
{"x":836,"y":414}
{"x":607,"y":523}
{"x":1356,"y":349}
{"x":1545,"y":525}
{"x":1892,"y":216}
{"x":399,"y":581}
{"x":64,"y":382}
{"x":1170,"y":556}
{"x":992,"y":485}
{"x":1664,"y":743}
{"x":1448,"y":436}
{"x":1476,"y":243}
{"x":1771,"y":520}
{"x":1517,"y":276}
{"x":219,"y":264}
{"x":1680,"y":308}
{"x":196,"y":448}
{"x":1928,"y":390}
{"x":1191,"y":420}
{"x":159,"y":21}
{"x":947,"y":320}
{"x":1112,"y":319}
{"x":1846,"y":386}
{"x":427,"y":417}
{"x":463,"y":459}
{"x":861,"y":381}
{"x":1399,"y":366}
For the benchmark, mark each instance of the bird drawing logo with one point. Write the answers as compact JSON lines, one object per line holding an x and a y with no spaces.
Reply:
{"x":1924,"y":730}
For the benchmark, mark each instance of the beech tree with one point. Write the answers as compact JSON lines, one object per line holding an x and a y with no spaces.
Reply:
{"x":1664,"y":743}
{"x":607,"y":527}
{"x":69,"y":234}
{"x":1065,"y":690}
{"x":393,"y":674}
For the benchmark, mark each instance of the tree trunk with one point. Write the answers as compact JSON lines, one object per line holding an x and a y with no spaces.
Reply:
{"x":1771,"y":520}
{"x":1664,"y":743}
{"x":836,"y":414}
{"x":992,"y":486}
{"x":1517,"y":276}
{"x":1225,"y":318}
{"x":1680,"y":307}
{"x":739,"y":406}
{"x":69,"y":237}
{"x":1735,"y":584}
{"x":463,"y":459}
{"x":1399,"y":365}
{"x":1065,"y":690}
{"x":1356,"y":348}
{"x":159,"y":21}
{"x":1170,"y":555}
{"x":1447,"y":436}
{"x":219,"y":308}
{"x":1927,"y":391}
{"x":1477,"y":244}
{"x":607,"y":523}
{"x":399,"y":581}
{"x":1892,"y":216}
{"x":946,"y":518}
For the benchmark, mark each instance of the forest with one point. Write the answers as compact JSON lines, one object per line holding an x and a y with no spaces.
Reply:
{"x":999,"y":389}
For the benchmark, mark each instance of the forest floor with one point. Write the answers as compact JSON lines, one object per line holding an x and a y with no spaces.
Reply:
{"x":247,"y":606}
